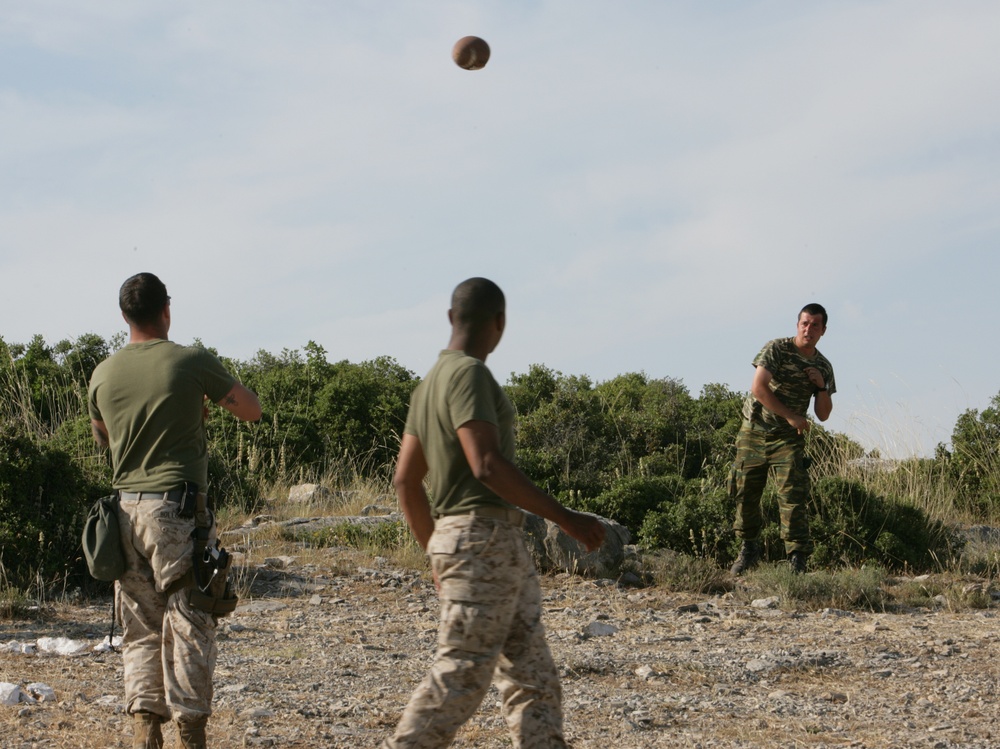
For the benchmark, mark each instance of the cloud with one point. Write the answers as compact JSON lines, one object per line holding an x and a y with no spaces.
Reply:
{"x":655,"y":186}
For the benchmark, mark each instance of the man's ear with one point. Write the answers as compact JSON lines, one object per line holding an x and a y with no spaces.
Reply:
{"x":451,"y":318}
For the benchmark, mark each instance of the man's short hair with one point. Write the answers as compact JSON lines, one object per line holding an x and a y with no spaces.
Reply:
{"x":475,"y":303}
{"x":142,"y":298}
{"x":813,"y":309}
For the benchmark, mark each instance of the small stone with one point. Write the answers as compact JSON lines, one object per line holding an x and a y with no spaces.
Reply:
{"x":599,"y":629}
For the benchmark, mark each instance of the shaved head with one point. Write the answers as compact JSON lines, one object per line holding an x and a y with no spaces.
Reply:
{"x":475,"y":303}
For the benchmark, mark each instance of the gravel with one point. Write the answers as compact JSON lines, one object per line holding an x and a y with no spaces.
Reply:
{"x":325,"y":650}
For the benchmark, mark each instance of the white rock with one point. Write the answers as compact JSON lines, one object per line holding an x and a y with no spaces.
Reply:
{"x":41,"y":692}
{"x":20,"y":648}
{"x":600,"y":629}
{"x":62,"y":645}
{"x":10,"y":694}
{"x":105,"y":647}
{"x":836,"y":612}
{"x":765,"y":603}
{"x":308,"y":493}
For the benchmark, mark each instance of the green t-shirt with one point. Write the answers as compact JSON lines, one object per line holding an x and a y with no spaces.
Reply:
{"x":789,"y":381}
{"x":150,"y":397}
{"x":458,"y":389}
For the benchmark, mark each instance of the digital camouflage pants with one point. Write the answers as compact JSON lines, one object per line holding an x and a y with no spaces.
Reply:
{"x":169,"y":647}
{"x":490,"y":630}
{"x":760,"y":453}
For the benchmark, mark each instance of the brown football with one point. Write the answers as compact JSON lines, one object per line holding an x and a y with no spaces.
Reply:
{"x":470,"y":52}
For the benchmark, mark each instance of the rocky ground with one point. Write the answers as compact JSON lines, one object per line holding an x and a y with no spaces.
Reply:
{"x":325,"y":649}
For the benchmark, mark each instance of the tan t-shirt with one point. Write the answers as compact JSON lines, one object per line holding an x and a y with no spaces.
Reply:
{"x":458,"y":389}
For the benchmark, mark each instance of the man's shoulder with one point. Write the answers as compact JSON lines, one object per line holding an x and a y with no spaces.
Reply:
{"x":776,"y":347}
{"x":456,"y":364}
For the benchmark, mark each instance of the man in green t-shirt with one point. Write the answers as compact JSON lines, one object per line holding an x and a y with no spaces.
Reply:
{"x":789,"y":374}
{"x":459,"y":433}
{"x":147,"y":404}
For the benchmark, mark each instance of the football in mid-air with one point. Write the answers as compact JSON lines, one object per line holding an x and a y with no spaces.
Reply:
{"x":470,"y":52}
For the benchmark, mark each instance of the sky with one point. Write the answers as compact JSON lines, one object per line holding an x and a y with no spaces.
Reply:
{"x":657,"y":186}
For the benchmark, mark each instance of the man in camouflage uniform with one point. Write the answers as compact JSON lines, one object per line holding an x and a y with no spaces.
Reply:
{"x":460,"y":431}
{"x":147,"y":404}
{"x":789,"y":373}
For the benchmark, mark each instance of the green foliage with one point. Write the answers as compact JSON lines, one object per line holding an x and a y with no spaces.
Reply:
{"x":630,"y":499}
{"x":43,"y":500}
{"x":575,"y":436}
{"x":637,"y":449}
{"x":362,"y":410}
{"x":377,"y":537}
{"x":563,"y":444}
{"x":697,"y":521}
{"x":853,"y":526}
{"x":848,"y":588}
{"x":973,"y":464}
{"x":318,"y":416}
{"x":675,"y":571}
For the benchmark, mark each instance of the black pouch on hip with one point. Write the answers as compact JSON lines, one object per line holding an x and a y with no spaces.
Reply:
{"x":189,"y":500}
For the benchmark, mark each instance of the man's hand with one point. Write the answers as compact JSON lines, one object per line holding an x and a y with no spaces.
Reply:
{"x":801,"y":423}
{"x":586,"y":529}
{"x":815,"y":377}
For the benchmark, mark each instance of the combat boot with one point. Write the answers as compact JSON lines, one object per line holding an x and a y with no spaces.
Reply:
{"x":749,"y":557}
{"x":797,"y":560}
{"x":146,"y":733}
{"x":191,"y":733}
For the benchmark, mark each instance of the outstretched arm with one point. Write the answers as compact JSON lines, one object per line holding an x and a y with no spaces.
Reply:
{"x":411,"y":468}
{"x":241,"y":403}
{"x":481,"y":445}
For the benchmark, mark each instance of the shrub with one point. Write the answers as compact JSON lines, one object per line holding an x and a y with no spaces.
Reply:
{"x":630,"y":499}
{"x":697,"y":520}
{"x":43,"y":500}
{"x":853,"y":526}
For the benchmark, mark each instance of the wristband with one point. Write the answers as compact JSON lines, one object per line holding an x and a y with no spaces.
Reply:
{"x":822,"y":390}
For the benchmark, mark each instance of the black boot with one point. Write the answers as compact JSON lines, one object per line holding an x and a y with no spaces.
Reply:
{"x":797,"y":560}
{"x":748,"y":558}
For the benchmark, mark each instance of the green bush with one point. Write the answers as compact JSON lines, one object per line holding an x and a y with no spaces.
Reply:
{"x":630,"y":499}
{"x":853,"y":526}
{"x":43,"y":501}
{"x":697,"y":520}
{"x":379,"y":537}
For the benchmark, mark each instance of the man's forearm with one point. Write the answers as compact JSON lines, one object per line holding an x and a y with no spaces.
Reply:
{"x":417,"y":511}
{"x":773,"y":404}
{"x":823,"y":405}
{"x":510,"y":484}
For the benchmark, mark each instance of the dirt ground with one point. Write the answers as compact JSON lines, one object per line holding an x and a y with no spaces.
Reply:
{"x":325,"y":654}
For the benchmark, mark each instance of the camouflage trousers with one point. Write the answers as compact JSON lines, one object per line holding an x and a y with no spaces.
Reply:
{"x":759,"y":453}
{"x":168,"y":647}
{"x":490,"y":630}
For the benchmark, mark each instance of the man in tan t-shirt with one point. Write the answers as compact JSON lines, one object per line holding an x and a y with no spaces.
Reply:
{"x":459,"y":433}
